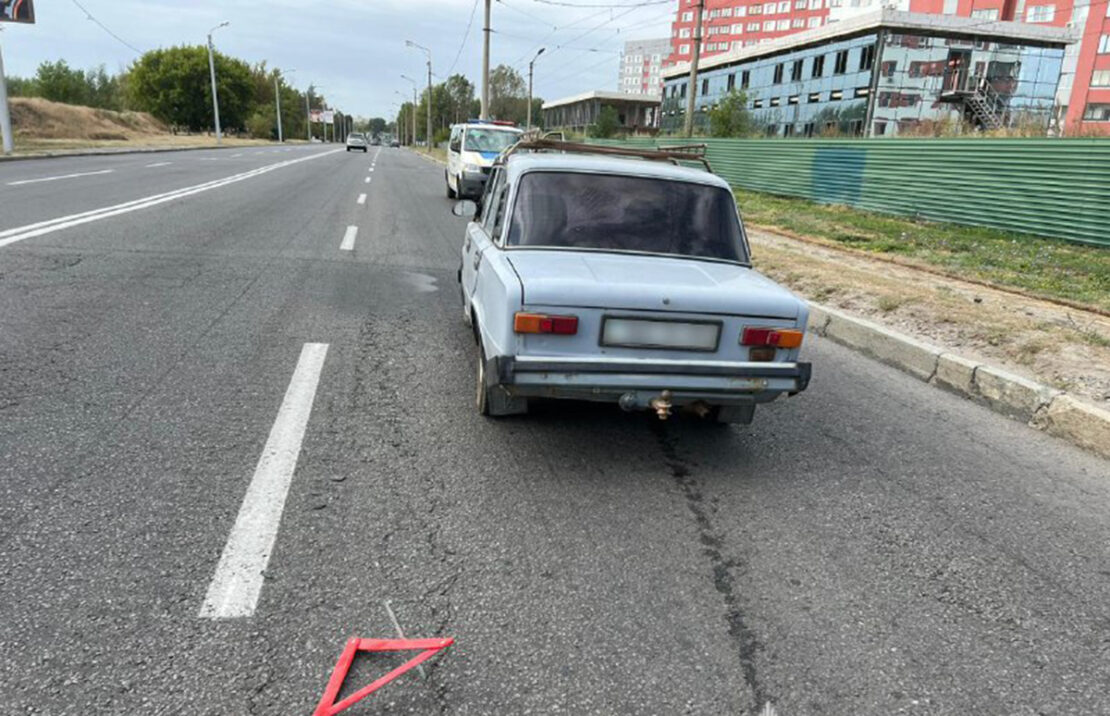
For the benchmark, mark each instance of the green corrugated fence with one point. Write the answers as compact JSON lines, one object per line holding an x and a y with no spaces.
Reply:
{"x":1049,"y":187}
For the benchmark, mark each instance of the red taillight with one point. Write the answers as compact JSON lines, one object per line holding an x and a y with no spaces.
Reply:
{"x":778,"y":337}
{"x":540,"y":323}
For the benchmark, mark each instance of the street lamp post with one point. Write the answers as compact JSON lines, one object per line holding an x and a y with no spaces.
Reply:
{"x":413,"y":138}
{"x":484,"y":114}
{"x":403,"y":122}
{"x":528,"y":125}
{"x":428,"y":137}
{"x":212,"y":72}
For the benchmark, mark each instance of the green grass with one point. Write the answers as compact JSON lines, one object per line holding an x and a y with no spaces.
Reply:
{"x":1048,"y":267}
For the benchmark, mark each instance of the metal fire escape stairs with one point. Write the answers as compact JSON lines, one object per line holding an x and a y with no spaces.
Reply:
{"x":984,"y":103}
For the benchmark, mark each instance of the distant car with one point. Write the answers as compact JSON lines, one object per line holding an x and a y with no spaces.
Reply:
{"x":376,"y":142}
{"x":356,"y":140}
{"x":471,"y":151}
{"x":394,"y":143}
{"x":622,"y":280}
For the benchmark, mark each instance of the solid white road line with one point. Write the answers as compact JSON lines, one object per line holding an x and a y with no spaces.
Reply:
{"x":158,"y":164}
{"x":64,"y":176}
{"x":237,"y":583}
{"x":349,"y":239}
{"x":361,"y":198}
{"x":19,"y":233}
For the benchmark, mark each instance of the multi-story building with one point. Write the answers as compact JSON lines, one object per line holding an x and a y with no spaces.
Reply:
{"x":1083,"y":97}
{"x":642,"y":65}
{"x":883,"y":73}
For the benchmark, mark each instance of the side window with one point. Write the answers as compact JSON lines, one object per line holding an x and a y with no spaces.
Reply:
{"x":456,"y":139}
{"x":488,"y":201}
{"x":501,"y":200}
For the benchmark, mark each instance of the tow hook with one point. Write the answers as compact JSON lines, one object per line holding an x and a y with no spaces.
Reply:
{"x":662,"y":405}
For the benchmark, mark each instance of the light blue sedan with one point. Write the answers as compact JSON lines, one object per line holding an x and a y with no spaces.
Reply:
{"x":622,"y":280}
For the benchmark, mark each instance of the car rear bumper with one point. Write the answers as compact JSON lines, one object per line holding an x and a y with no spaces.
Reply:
{"x":605,"y":379}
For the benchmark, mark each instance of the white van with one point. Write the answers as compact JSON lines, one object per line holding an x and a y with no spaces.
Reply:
{"x":471,"y":151}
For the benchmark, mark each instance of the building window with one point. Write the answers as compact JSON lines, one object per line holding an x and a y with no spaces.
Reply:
{"x":687,"y":16}
{"x":818,"y":66}
{"x":755,"y":10}
{"x":1097,"y":113}
{"x":684,"y":33}
{"x":757,"y":104}
{"x":769,"y":26}
{"x":778,"y":74}
{"x":796,"y":70}
{"x":814,"y":97}
{"x":1100,"y":78}
{"x":880,"y":128}
{"x":841,"y":65}
{"x":867,"y":58}
{"x":813,"y":22}
{"x":775,"y":102}
{"x":798,"y":22}
{"x":745,"y":79}
{"x":769,"y":8}
{"x":684,"y":49}
{"x":1104,"y":44}
{"x":682,"y":90}
{"x":772,"y":130}
{"x":807,"y":130}
{"x":783,"y":25}
{"x":788,"y":130}
{"x":814,"y":4}
{"x":753,"y":27}
{"x":799,"y":4}
{"x":836,"y":95}
{"x":731,"y":83}
{"x":861,"y":92}
{"x":855,"y":127}
{"x":704,"y":87}
{"x":784,"y":6}
{"x":1040,"y":13}
{"x":792,"y":99}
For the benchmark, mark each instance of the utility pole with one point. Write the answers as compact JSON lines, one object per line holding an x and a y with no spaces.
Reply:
{"x":212,"y":72}
{"x":528,"y":124}
{"x":414,"y":106}
{"x":5,"y":118}
{"x":693,"y":88}
{"x":277,"y":99}
{"x":485,"y":64}
{"x":307,"y":115}
{"x":428,"y":137}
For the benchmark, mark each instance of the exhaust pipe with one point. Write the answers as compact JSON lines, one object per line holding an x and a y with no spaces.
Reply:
{"x":662,"y":405}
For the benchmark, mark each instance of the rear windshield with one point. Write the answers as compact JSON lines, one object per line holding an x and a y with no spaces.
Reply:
{"x":356,"y":135}
{"x":489,"y":140}
{"x":623,"y":213}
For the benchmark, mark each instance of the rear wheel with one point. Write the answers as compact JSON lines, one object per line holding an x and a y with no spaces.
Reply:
{"x":492,"y":400}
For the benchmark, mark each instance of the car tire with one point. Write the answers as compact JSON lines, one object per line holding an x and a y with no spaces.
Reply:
{"x":348,"y":149}
{"x":492,"y":401}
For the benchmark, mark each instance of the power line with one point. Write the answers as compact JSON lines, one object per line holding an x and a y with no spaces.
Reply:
{"x":103,"y":27}
{"x":612,"y":6}
{"x":466,"y":36}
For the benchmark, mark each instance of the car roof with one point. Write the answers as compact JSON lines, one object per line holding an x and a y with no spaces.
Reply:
{"x":518,"y":164}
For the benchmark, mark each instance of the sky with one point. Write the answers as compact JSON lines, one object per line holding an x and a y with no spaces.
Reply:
{"x":353,"y":50}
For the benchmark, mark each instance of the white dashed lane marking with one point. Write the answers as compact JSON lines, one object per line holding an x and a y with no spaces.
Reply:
{"x":349,"y":239}
{"x":237,"y":583}
{"x":57,"y":178}
{"x":361,"y":198}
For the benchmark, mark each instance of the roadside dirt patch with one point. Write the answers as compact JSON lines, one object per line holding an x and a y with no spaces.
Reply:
{"x":36,"y":118}
{"x":1061,"y":346}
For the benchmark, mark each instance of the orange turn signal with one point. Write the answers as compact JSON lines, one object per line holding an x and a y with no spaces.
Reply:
{"x":541,"y":323}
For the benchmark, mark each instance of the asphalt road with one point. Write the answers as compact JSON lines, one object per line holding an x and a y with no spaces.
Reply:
{"x":873,"y":546}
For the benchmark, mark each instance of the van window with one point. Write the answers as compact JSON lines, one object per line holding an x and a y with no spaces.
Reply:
{"x":483,"y":139}
{"x":456,"y":139}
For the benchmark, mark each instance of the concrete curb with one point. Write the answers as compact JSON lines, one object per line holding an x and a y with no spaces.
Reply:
{"x":1039,"y":406}
{"x":429,"y":158}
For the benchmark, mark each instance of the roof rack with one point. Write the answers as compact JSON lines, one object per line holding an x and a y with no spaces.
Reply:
{"x":675,"y":155}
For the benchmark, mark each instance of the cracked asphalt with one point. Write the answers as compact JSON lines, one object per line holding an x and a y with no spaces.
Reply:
{"x":873,"y":546}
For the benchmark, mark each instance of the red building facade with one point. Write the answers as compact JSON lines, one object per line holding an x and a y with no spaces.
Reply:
{"x":1084,"y":96}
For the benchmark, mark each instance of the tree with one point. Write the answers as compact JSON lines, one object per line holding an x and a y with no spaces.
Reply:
{"x":460,"y":97}
{"x":730,"y":118}
{"x":608,"y":121}
{"x":376,"y":125}
{"x":508,"y":94}
{"x":173,"y":85}
{"x":57,"y":82}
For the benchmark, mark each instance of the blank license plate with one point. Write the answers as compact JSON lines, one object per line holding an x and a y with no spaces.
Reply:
{"x":634,"y":333}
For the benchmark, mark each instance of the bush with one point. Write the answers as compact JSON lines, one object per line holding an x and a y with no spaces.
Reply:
{"x":730,"y":118}
{"x":608,"y":121}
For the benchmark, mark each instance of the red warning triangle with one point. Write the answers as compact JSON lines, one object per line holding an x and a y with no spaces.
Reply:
{"x":427,"y":648}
